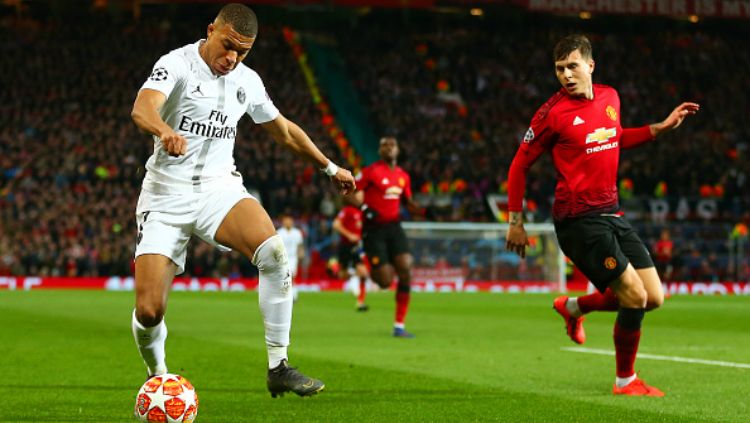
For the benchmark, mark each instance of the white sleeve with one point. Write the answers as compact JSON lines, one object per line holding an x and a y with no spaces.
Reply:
{"x":260,"y":106}
{"x":167,"y":72}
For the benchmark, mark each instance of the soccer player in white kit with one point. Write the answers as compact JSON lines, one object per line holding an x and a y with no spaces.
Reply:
{"x":191,"y":104}
{"x":294,"y":242}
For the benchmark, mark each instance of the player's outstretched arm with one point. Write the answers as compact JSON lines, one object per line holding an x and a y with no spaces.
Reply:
{"x":146,"y":116}
{"x":675,"y":118}
{"x":291,"y":136}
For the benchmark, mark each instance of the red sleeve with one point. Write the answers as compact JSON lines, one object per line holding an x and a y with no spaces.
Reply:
{"x":633,"y":137}
{"x":537,"y":140}
{"x":407,"y":188}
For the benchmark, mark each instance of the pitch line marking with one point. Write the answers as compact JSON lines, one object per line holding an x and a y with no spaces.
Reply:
{"x":661,"y":357}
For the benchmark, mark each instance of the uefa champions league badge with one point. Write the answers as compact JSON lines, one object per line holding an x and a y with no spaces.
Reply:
{"x":241,"y":95}
{"x":529,"y":136}
{"x":159,"y":74}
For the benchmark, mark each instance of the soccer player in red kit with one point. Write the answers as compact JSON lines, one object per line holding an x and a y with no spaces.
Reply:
{"x":382,"y":186}
{"x":580,"y":126}
{"x":348,"y":223}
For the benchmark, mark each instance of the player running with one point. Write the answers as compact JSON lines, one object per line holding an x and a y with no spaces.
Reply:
{"x":191,"y":104}
{"x":348,"y":223}
{"x":382,"y":187}
{"x":580,"y":126}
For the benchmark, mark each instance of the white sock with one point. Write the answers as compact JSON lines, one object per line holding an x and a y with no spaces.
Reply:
{"x":274,"y":297}
{"x":150,"y":342}
{"x":399,"y":326}
{"x":572,"y":306}
{"x":624,"y":381}
{"x":354,"y":283}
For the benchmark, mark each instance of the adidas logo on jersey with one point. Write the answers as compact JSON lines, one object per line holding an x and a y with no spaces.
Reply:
{"x":578,"y":121}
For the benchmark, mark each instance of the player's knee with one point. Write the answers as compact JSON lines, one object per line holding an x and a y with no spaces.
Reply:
{"x":381,"y":277}
{"x":655,"y":301}
{"x":149,"y":315}
{"x":630,"y":291}
{"x":634,"y":297}
{"x":271,"y":256}
{"x":404,"y":276}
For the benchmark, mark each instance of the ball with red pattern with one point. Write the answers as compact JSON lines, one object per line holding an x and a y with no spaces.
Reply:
{"x":166,"y":398}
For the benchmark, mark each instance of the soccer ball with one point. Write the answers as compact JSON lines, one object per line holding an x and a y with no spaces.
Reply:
{"x":166,"y":398}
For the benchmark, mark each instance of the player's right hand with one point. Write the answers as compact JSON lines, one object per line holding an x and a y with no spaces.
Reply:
{"x":344,"y":181}
{"x":173,"y":143}
{"x":517,"y":240}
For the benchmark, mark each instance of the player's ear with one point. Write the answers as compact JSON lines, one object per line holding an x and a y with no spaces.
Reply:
{"x":210,"y":29}
{"x":591,"y":66}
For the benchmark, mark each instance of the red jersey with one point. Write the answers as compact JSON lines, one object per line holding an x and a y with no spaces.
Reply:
{"x":351,"y":219}
{"x":383,"y":187}
{"x":584,"y":137}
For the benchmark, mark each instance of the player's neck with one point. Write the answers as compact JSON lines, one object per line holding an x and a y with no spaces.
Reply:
{"x":202,"y":54}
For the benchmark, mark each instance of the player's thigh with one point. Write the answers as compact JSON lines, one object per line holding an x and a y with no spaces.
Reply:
{"x":243,"y":227}
{"x":398,"y":247}
{"x":591,"y":243}
{"x":630,"y":289}
{"x":638,"y":255}
{"x":375,"y":244}
{"x":382,"y":275}
{"x":153,"y":277}
{"x":652,"y":284}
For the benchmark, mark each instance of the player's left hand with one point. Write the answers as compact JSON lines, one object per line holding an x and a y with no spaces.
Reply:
{"x":344,"y":181}
{"x":678,"y":115}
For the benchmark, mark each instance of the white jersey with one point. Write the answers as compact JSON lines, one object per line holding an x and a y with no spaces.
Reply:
{"x":292,"y":239}
{"x":203,"y":108}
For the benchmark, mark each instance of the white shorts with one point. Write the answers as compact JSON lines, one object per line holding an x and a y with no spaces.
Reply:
{"x":167,"y":221}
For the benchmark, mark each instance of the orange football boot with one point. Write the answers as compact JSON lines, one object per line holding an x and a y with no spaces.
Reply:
{"x":574,"y":325}
{"x":637,"y":388}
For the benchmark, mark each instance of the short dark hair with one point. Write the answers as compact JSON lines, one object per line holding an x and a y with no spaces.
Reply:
{"x":241,"y":17}
{"x":570,"y":44}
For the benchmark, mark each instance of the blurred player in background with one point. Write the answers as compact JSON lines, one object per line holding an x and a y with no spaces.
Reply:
{"x":348,"y":223}
{"x":580,"y":126}
{"x":383,"y":185}
{"x":294,"y":242}
{"x":191,"y":104}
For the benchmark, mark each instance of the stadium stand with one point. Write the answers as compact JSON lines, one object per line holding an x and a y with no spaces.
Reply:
{"x":459,"y":97}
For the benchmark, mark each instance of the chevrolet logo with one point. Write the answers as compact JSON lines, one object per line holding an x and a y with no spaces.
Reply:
{"x":601,"y":135}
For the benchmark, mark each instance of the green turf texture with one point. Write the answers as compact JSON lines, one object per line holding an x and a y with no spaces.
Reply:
{"x":69,"y":356}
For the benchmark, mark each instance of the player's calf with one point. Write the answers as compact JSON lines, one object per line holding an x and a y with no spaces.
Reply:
{"x":274,"y":297}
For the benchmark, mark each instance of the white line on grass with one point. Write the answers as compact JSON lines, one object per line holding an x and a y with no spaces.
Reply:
{"x":662,"y":357}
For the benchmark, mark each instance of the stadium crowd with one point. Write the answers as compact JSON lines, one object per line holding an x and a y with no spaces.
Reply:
{"x":459,"y":99}
{"x":72,"y":160}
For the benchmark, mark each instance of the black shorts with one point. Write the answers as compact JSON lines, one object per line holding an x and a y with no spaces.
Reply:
{"x":601,"y":247}
{"x":349,"y":255}
{"x":383,"y":242}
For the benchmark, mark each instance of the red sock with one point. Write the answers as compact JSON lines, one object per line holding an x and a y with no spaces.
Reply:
{"x":597,"y":301}
{"x":362,"y":291}
{"x":626,"y":347}
{"x":402,"y":306}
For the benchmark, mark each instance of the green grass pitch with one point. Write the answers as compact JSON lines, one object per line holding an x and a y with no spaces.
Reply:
{"x":69,"y":356}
